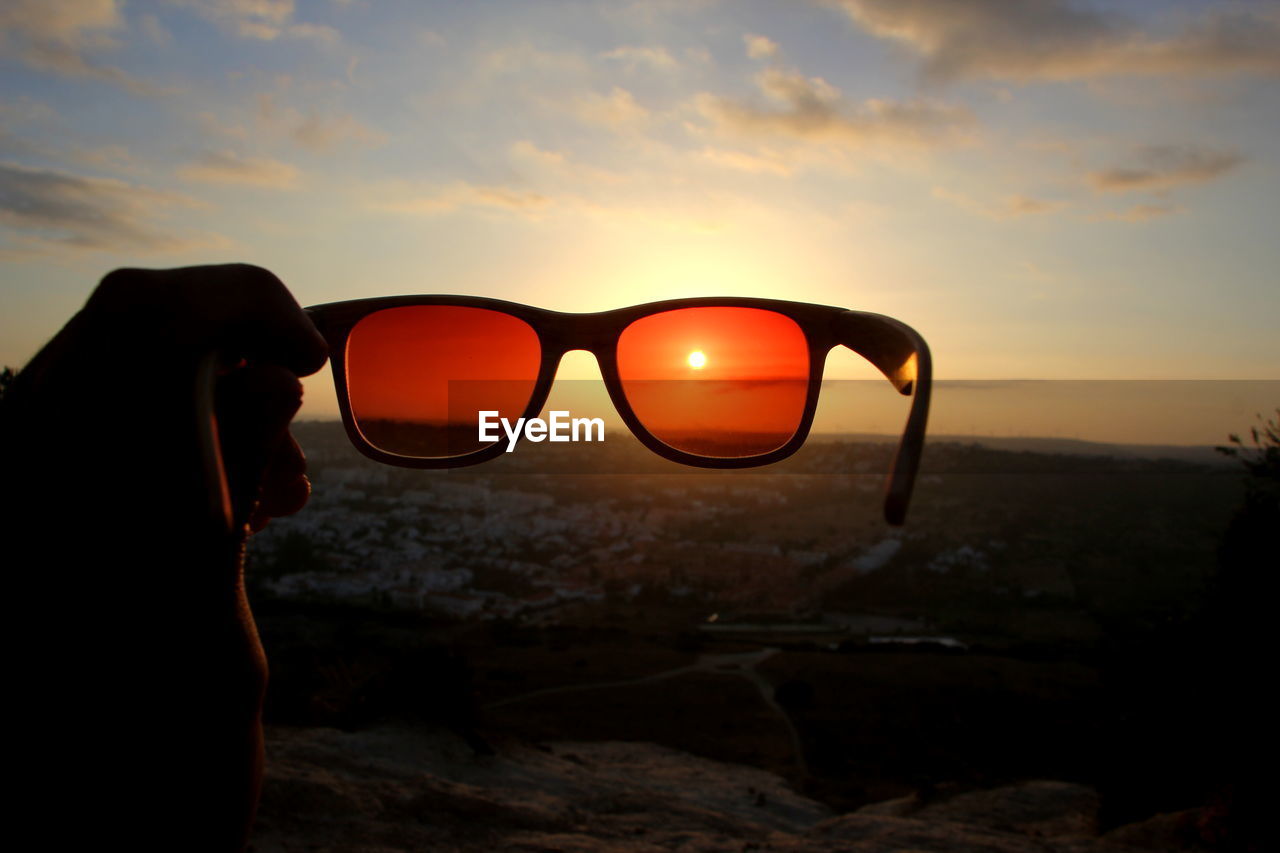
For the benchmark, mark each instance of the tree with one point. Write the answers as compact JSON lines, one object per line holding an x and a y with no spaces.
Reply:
{"x":1244,"y":643}
{"x":6,"y":379}
{"x":1261,"y":460}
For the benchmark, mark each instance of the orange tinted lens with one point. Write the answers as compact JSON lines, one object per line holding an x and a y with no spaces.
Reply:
{"x":419,"y":376}
{"x":721,"y":382}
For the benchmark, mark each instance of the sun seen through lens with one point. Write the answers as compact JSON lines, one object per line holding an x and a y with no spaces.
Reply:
{"x":724,"y":382}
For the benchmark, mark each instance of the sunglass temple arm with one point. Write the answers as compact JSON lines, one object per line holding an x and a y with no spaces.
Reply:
{"x":903,"y":357}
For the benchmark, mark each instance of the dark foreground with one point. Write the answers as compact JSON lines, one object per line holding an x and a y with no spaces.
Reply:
{"x":672,"y":662}
{"x":393,"y":789}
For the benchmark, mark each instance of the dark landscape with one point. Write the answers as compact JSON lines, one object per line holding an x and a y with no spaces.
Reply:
{"x":1042,"y":616}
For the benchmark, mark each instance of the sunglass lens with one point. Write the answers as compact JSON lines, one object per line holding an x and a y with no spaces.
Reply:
{"x":724,"y":382}
{"x":418,"y":376}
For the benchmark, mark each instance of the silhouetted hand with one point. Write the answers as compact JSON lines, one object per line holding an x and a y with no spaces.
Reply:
{"x":139,"y":662}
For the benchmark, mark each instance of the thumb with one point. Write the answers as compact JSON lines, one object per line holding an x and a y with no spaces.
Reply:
{"x":254,"y":406}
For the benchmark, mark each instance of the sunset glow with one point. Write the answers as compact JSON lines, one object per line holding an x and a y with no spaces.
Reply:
{"x":697,"y":360}
{"x":1092,"y":201}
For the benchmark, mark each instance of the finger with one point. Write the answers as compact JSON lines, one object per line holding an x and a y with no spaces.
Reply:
{"x":285,"y":487}
{"x":287,"y":502}
{"x":255,"y":405}
{"x":238,"y":308}
{"x":260,"y":314}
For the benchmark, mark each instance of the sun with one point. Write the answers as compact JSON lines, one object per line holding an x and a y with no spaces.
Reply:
{"x":697,"y":360}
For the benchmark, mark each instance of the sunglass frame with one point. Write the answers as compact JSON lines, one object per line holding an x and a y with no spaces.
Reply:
{"x":896,"y":349}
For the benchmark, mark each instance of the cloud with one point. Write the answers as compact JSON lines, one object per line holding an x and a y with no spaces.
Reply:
{"x":155,"y":31}
{"x":707,"y":213}
{"x":227,"y":167}
{"x":741,"y":161}
{"x":549,"y":184}
{"x":1064,"y":39}
{"x":461,"y":194}
{"x":24,"y":110}
{"x":82,"y":24}
{"x":634,"y":57}
{"x":543,"y":182}
{"x":1010,"y":207}
{"x":760,"y":47}
{"x":617,"y":110}
{"x":12,"y":145}
{"x":259,"y":19}
{"x":114,"y":158}
{"x":556,"y":166}
{"x":516,"y":73}
{"x":38,"y":121}
{"x":1141,"y":213}
{"x":1021,"y":205}
{"x":264,"y":20}
{"x":313,"y":32}
{"x":1162,"y":167}
{"x":432,"y":39}
{"x":60,"y":35}
{"x":324,"y":133}
{"x":59,"y":210}
{"x":522,"y":58}
{"x":212,"y":126}
{"x":527,"y":152}
{"x":314,"y":130}
{"x":809,"y":108}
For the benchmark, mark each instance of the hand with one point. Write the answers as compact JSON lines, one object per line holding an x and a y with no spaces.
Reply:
{"x":149,"y":659}
{"x":134,"y":349}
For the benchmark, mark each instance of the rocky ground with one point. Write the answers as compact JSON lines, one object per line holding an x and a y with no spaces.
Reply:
{"x":395,"y":789}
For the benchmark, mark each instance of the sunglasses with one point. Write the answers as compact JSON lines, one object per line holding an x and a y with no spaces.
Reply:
{"x":726,"y":382}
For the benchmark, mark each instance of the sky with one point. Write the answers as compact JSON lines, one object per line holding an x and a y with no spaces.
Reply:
{"x":1045,"y":189}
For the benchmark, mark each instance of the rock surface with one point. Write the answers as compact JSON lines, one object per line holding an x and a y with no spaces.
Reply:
{"x":393,"y":789}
